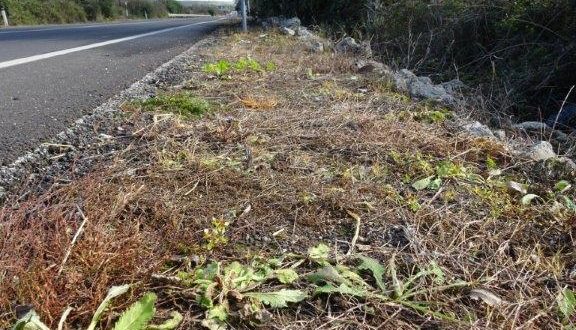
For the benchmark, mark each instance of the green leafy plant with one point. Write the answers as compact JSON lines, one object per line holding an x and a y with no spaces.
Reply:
{"x":247,"y":64}
{"x":216,"y":235}
{"x":219,"y":68}
{"x":344,"y":280}
{"x":136,"y":317}
{"x":566,"y":301}
{"x":183,"y":103}
{"x":216,"y":283}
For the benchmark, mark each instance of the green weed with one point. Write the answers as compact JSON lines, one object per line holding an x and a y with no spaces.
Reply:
{"x":184,"y":104}
{"x":219,"y":68}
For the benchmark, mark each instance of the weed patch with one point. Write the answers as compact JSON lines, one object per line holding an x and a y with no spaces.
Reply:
{"x":183,"y":104}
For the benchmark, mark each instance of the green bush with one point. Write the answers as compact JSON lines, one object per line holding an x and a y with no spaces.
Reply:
{"x":174,"y":7}
{"x":43,"y":12}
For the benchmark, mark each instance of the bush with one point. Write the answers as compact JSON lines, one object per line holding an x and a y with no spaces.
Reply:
{"x":142,"y":8}
{"x":174,"y":7}
{"x":523,"y":49}
{"x":43,"y":12}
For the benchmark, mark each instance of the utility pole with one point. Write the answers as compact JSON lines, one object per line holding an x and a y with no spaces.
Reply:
{"x":4,"y":16}
{"x":244,"y":16}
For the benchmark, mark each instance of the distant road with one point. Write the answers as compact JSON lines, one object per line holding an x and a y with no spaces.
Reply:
{"x":50,"y":76}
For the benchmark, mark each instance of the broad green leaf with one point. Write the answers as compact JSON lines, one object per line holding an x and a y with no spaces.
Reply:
{"x":113,"y":292}
{"x":174,"y":321}
{"x":319,"y":253}
{"x":562,"y":186}
{"x":343,"y":289}
{"x":423,"y":183}
{"x":376,"y":268}
{"x":218,"y":312}
{"x":30,"y":321}
{"x":326,"y":274}
{"x":138,"y":316}
{"x":435,"y":184}
{"x":569,"y":203}
{"x":278,"y":299}
{"x":286,"y":276}
{"x":351,"y":278}
{"x":527,"y":199}
{"x":566,"y":303}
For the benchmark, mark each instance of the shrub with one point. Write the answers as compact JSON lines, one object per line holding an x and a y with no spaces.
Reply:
{"x":523,"y":48}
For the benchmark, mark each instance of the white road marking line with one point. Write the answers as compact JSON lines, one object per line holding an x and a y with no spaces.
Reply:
{"x":74,"y":27}
{"x":35,"y":58}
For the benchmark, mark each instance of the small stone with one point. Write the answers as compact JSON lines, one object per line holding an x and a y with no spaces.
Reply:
{"x":542,"y":150}
{"x":479,"y":130}
{"x":288,"y":31}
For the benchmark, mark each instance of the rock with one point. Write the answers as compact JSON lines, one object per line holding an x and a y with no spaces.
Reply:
{"x":421,"y":87}
{"x":531,"y":126}
{"x":279,"y":22}
{"x":478,"y":129}
{"x":304,"y":33}
{"x":349,"y":45}
{"x":542,"y":150}
{"x":316,"y":47}
{"x":292,"y":23}
{"x":287,"y":31}
{"x":371,"y":66}
{"x":569,"y":164}
{"x":453,"y":86}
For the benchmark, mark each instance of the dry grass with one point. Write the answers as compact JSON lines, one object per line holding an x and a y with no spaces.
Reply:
{"x":327,"y":142}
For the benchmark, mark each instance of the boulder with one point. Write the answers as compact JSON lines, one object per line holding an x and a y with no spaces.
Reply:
{"x":453,"y":86}
{"x":304,"y":33}
{"x":349,"y":45}
{"x":279,"y":22}
{"x":371,"y":66}
{"x":421,"y":87}
{"x":287,"y":31}
{"x":478,"y":129}
{"x":542,"y":150}
{"x":292,"y":23}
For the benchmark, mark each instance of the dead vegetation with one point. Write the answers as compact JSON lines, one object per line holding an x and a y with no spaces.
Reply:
{"x":290,"y":155}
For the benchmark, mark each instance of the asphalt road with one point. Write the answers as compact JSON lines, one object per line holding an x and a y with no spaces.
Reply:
{"x":50,"y":76}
